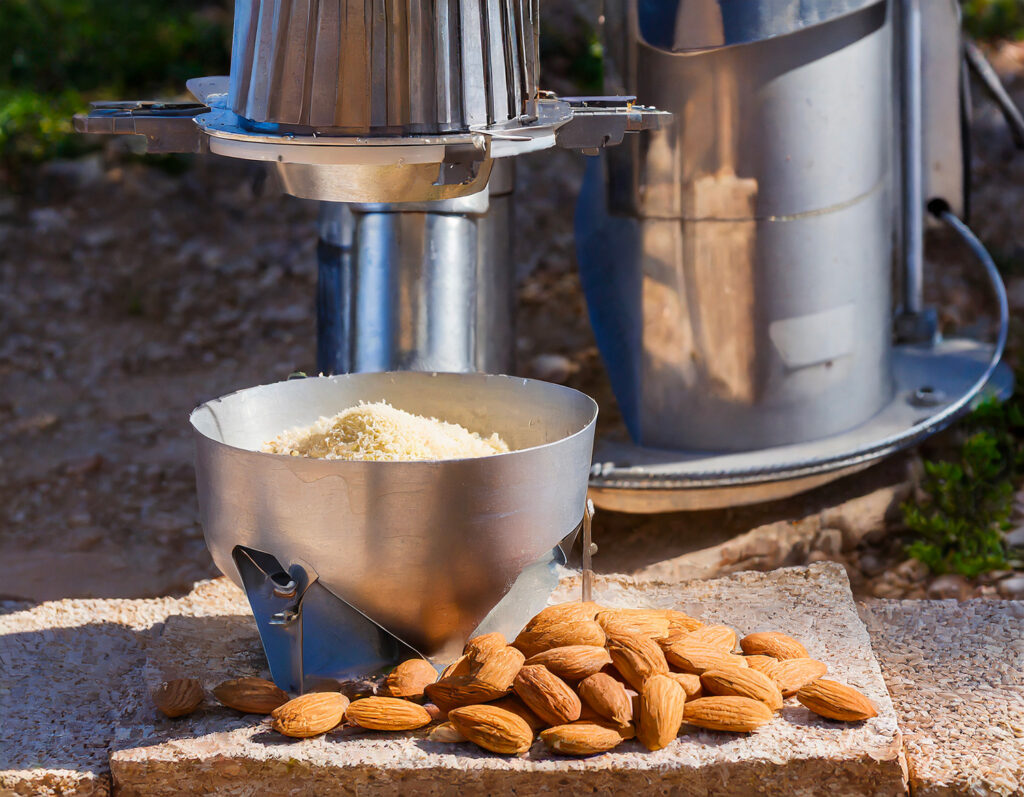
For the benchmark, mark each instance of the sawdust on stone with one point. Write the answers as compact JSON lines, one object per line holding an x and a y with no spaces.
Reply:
{"x":956,"y":675}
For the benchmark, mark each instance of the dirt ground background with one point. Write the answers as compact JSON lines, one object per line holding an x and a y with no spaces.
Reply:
{"x":130,"y":295}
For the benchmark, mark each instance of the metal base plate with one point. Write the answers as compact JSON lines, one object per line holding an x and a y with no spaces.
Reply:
{"x":929,"y":378}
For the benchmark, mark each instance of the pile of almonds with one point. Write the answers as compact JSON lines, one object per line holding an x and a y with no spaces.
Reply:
{"x":582,"y":676}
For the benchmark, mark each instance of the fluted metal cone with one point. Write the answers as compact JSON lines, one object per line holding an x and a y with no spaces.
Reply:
{"x":385,"y":67}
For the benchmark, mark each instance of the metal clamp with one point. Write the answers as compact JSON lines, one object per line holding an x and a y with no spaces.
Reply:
{"x":167,"y":126}
{"x":598,"y":122}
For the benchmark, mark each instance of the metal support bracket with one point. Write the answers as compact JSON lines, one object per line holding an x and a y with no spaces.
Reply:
{"x":598,"y":122}
{"x":167,"y":126}
{"x":311,"y":637}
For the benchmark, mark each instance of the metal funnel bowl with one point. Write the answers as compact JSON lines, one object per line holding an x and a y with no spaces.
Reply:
{"x":425,"y":550}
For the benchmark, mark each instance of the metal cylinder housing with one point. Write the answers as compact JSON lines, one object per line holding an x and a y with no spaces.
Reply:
{"x":384,"y":67}
{"x":737,"y":263}
{"x":421,"y":286}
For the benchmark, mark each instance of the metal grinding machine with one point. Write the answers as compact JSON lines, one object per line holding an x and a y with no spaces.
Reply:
{"x":738,"y":253}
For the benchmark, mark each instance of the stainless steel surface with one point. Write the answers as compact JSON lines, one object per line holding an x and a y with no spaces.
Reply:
{"x":943,"y":91}
{"x":308,"y":635}
{"x":737,"y":262}
{"x":418,"y":167}
{"x":429,"y":286}
{"x":166,"y":126}
{"x":629,"y":478}
{"x":424,"y":549}
{"x":599,"y":122}
{"x":911,"y":160}
{"x":415,"y":302}
{"x":951,"y":373}
{"x":656,"y":497}
{"x":805,"y":120}
{"x":689,"y":25}
{"x":710,"y":345}
{"x":384,"y":66}
{"x":334,"y":287}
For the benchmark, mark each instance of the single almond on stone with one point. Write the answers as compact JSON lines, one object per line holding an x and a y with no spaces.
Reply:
{"x":792,"y":675}
{"x":774,"y":644}
{"x":250,"y":695}
{"x":446,"y":733}
{"x":409,"y":679}
{"x":836,"y":701}
{"x":766,"y":664}
{"x":727,"y":713}
{"x":641,"y":622}
{"x":387,"y":714}
{"x":310,"y":714}
{"x":479,"y":647}
{"x":717,"y":636}
{"x":461,"y":690}
{"x":607,"y":698}
{"x":178,"y":697}
{"x":514,"y":704}
{"x":547,"y":695}
{"x":493,"y":728}
{"x":691,"y":683}
{"x":660,"y":711}
{"x":580,"y":738}
{"x":696,"y":657}
{"x":637,"y":658}
{"x":559,"y":635}
{"x":743,"y":682}
{"x":573,"y":662}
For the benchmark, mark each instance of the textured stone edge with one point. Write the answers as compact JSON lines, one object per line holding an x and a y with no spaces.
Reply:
{"x":230,"y":777}
{"x":46,"y":782}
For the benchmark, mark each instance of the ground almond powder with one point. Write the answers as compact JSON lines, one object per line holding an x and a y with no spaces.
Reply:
{"x":381,"y":433}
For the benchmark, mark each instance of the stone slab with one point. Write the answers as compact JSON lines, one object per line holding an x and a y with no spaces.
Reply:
{"x":71,"y":675}
{"x":219,"y":752}
{"x":956,"y":675}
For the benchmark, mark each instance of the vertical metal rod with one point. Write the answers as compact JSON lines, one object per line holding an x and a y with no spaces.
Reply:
{"x":334,"y":289}
{"x":912,"y":143}
{"x":589,"y":549}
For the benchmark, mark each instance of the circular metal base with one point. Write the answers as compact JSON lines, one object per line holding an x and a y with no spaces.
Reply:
{"x":929,"y":379}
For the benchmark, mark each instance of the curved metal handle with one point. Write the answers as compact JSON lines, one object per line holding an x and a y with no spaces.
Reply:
{"x":979,"y":64}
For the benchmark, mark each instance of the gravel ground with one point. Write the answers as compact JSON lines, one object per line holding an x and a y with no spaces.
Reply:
{"x":131,"y":295}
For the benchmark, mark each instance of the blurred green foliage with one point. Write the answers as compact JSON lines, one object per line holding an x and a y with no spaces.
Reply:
{"x":58,"y":54}
{"x":959,"y":526}
{"x":989,"y":19}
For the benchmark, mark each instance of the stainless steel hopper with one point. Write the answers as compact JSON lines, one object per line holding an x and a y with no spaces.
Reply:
{"x":350,"y":565}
